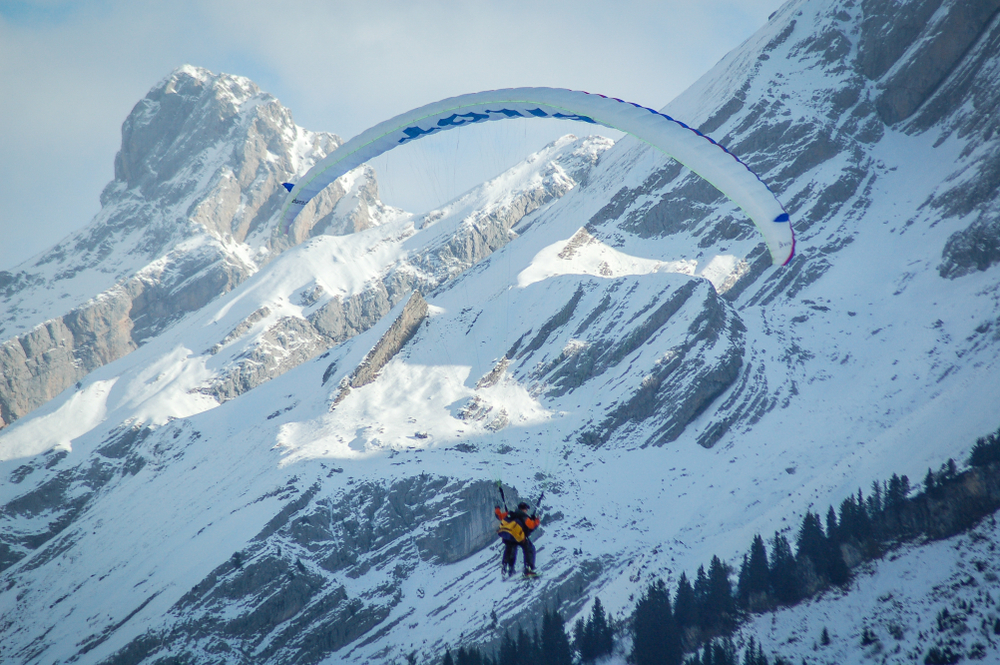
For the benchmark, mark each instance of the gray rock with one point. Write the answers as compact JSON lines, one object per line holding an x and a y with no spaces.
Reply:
{"x":681,"y":384}
{"x":342,"y":318}
{"x":477,"y":236}
{"x":289,"y":584}
{"x":328,"y":574}
{"x":55,"y":493}
{"x":888,"y":29}
{"x":399,"y":333}
{"x":203,"y":156}
{"x":39,"y":365}
{"x":170,"y":132}
{"x":975,"y":248}
{"x":286,"y":344}
{"x":920,"y":62}
{"x":939,"y":47}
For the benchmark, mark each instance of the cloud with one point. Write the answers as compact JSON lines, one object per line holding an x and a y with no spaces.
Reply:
{"x":72,"y":71}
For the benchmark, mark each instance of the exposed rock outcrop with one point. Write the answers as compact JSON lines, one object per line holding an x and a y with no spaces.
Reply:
{"x":180,"y":129}
{"x":930,"y":55}
{"x":40,"y":364}
{"x":341,"y":552}
{"x":200,"y":167}
{"x":302,"y":582}
{"x":482,"y":225}
{"x":50,"y":505}
{"x":399,"y":333}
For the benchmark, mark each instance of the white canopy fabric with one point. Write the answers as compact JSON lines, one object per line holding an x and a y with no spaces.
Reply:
{"x":688,"y":146}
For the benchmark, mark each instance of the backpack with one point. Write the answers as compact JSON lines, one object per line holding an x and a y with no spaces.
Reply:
{"x":512,"y":528}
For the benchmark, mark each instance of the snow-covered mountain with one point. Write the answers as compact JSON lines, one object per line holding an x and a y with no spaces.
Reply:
{"x":299,"y":464}
{"x":190,"y":215}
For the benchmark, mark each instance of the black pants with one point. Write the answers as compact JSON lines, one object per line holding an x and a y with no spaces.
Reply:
{"x":529,"y":555}
{"x":510,"y":554}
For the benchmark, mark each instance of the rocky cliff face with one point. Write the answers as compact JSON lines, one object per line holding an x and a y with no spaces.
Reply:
{"x":857,"y":81}
{"x":286,"y":330}
{"x":297,"y":571}
{"x":461,"y":234}
{"x":872,"y":65}
{"x":200,"y":168}
{"x":189,"y":216}
{"x":38,"y":365}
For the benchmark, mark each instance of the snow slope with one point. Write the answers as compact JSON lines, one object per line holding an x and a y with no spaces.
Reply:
{"x":942,"y":594}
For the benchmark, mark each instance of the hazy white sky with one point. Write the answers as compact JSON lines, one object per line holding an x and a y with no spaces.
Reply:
{"x":71,"y":71}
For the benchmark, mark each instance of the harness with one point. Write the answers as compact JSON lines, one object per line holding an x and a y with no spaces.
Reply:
{"x":511,"y":528}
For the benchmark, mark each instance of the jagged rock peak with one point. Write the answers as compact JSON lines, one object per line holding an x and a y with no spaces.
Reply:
{"x":200,"y":169}
{"x":194,"y":110}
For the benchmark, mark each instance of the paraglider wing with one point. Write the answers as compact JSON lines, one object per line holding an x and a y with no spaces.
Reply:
{"x":690,"y":147}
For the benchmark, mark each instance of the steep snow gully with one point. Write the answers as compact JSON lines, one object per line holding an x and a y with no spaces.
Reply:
{"x":190,"y":472}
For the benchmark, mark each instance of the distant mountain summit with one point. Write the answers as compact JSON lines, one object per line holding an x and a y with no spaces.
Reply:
{"x":201,"y":155}
{"x":227,"y":443}
{"x":189,"y":215}
{"x":201,"y":165}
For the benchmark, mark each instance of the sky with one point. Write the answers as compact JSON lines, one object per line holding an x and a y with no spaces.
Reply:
{"x":71,"y":71}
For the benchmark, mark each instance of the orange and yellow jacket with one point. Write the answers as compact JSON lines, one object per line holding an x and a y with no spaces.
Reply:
{"x":518,"y":524}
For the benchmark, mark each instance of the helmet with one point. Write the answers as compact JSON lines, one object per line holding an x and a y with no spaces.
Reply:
{"x":522,"y":506}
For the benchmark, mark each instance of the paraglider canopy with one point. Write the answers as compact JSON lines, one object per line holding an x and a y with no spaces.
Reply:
{"x":687,"y":145}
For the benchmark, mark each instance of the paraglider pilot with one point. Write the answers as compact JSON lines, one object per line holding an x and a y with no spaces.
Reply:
{"x":514,"y":529}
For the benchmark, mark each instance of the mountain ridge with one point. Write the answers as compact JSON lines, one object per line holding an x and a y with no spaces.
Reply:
{"x":190,"y":217}
{"x":634,"y":317}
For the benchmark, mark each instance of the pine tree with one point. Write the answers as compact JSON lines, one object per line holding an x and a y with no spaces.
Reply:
{"x":854,"y":522}
{"x":655,"y":637}
{"x":846,"y":525}
{"x":866,"y":530}
{"x":448,"y":660}
{"x":555,"y":649}
{"x":716,"y":652}
{"x":742,"y":593}
{"x":811,"y":545}
{"x":582,"y":641}
{"x":832,"y":532}
{"x":719,"y":607}
{"x":603,"y":630}
{"x":724,"y":652}
{"x":754,"y":580}
{"x":782,"y":573}
{"x":707,"y":654}
{"x":704,"y":659}
{"x":986,"y":450}
{"x":929,"y":482}
{"x":508,"y":650}
{"x":527,"y":648}
{"x":700,"y":596}
{"x":754,"y":654}
{"x":598,"y":638}
{"x":685,"y":611}
{"x":467,"y":656}
{"x":875,"y":501}
{"x":895,"y":495}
